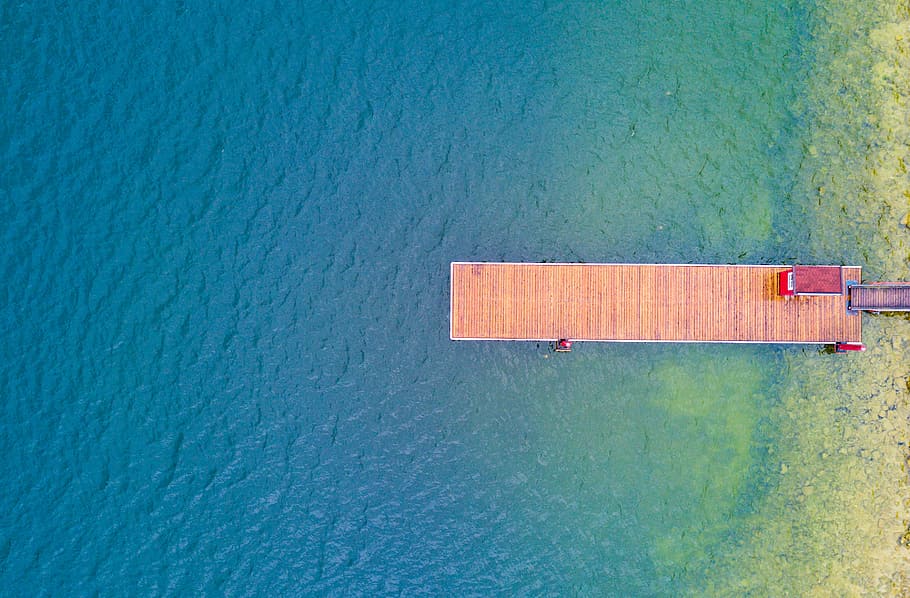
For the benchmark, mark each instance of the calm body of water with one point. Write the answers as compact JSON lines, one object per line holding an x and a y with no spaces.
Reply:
{"x":226,"y":235}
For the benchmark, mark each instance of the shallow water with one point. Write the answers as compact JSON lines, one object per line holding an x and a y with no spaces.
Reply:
{"x":226,"y":366}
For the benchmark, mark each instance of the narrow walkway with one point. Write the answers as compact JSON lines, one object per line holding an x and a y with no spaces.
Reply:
{"x":884,"y":296}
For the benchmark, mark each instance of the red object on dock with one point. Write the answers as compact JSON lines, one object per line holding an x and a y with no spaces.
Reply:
{"x":785,"y":283}
{"x":844,"y":347}
{"x":563,"y":345}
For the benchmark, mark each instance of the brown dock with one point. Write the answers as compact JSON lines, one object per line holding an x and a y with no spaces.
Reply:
{"x":644,"y":302}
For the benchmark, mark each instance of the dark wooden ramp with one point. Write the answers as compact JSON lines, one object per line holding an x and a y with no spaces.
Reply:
{"x":642,"y":302}
{"x":885,"y":296}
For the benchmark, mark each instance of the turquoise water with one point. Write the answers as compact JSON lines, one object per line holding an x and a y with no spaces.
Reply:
{"x":226,"y":236}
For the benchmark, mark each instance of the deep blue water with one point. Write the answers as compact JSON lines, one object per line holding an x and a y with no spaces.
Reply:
{"x":226,"y":233}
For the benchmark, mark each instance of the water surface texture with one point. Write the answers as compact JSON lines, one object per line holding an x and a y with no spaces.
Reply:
{"x":226,"y":234}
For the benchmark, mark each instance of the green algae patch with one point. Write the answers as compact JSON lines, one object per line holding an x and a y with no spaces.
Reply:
{"x":709,"y":406}
{"x":631,"y":458}
{"x":660,"y":441}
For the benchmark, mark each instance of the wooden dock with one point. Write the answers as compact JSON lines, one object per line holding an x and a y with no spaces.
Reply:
{"x":642,"y":302}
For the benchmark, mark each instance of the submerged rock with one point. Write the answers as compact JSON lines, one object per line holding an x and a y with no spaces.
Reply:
{"x":905,"y":538}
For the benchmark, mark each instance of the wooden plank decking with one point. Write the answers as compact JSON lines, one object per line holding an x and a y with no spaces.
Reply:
{"x":641,"y":302}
